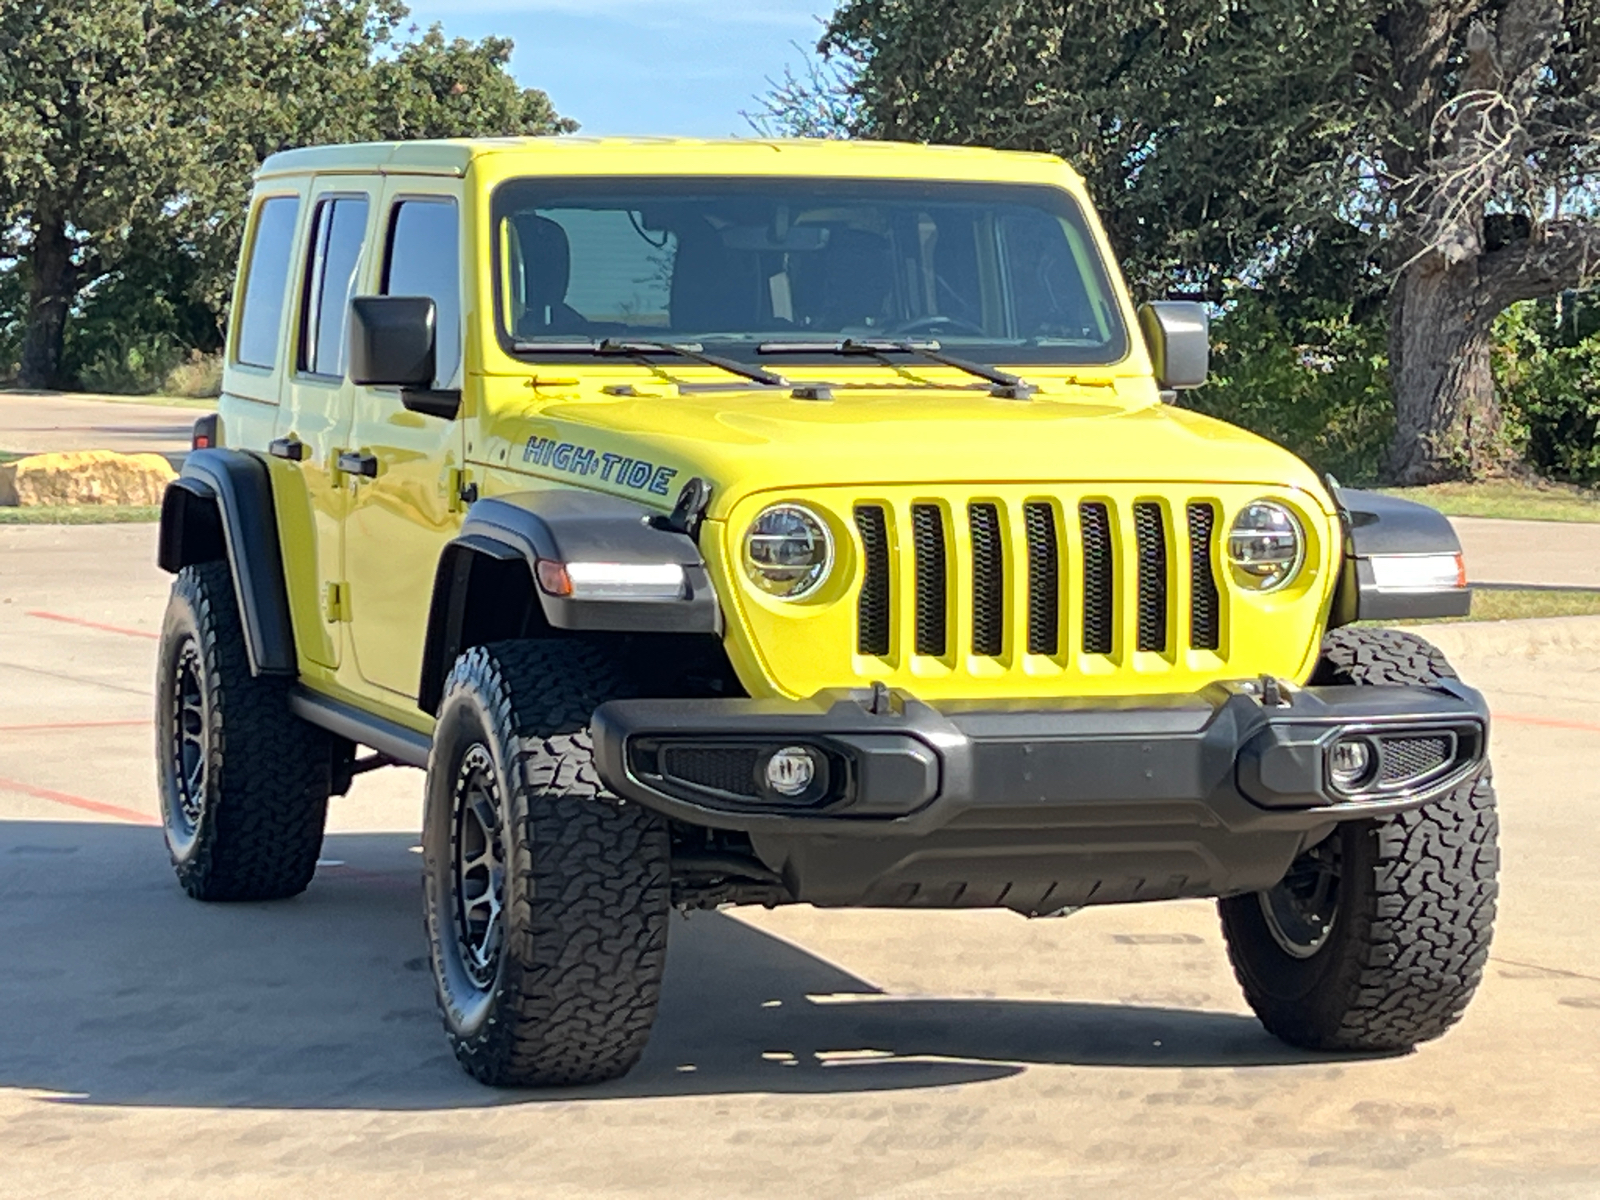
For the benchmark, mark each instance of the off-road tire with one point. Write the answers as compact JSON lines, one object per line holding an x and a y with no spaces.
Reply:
{"x":1410,"y":935}
{"x":245,"y":821}
{"x":570,"y":996}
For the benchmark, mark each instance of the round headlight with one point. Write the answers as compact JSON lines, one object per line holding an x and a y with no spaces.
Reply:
{"x":788,"y":551}
{"x":1265,"y":546}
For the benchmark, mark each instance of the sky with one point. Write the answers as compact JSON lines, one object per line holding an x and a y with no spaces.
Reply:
{"x":673,"y":67}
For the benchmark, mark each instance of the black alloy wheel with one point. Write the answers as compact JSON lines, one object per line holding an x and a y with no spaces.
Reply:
{"x":477,"y":844}
{"x":1301,"y":910}
{"x":187,"y":748}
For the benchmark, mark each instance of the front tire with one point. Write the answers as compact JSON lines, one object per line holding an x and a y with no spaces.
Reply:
{"x":1377,"y":938}
{"x":244,"y":782}
{"x":546,"y":896}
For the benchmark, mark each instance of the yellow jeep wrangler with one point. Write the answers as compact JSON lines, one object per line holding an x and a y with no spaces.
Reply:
{"x":771,"y":522}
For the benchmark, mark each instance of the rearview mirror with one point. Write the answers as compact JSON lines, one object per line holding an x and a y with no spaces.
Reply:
{"x":1178,"y":335}
{"x":394,"y":343}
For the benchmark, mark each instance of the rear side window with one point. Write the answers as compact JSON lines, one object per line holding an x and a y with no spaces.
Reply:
{"x":337,"y":234}
{"x":266,"y":279}
{"x":424,"y":259}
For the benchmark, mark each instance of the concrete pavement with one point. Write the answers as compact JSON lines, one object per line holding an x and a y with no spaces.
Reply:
{"x":154,"y":1046}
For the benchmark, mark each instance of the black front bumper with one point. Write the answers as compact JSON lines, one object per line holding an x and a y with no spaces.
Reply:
{"x":1039,"y":807}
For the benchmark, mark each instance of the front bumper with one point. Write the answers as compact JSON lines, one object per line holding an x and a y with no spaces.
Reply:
{"x":1040,"y":807}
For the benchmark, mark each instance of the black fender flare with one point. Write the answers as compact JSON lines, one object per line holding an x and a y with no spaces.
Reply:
{"x":1376,"y":525}
{"x":484,"y":587}
{"x":221,"y":507}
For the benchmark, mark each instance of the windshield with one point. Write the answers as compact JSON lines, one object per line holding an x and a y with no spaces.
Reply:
{"x":1006,"y":273}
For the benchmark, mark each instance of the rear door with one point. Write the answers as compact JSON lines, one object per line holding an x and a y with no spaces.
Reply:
{"x":403,"y":514}
{"x":315,"y":416}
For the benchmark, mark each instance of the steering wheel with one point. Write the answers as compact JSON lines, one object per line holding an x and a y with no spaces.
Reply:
{"x":932,"y":324}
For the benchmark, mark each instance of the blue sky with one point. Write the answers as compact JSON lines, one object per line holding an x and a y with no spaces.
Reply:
{"x":679,"y":67}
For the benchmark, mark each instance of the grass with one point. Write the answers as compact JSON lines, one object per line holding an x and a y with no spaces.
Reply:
{"x":1507,"y":499}
{"x":1516,"y":604}
{"x":81,"y":514}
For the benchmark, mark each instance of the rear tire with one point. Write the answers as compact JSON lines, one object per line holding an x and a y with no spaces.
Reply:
{"x":546,"y":896}
{"x":244,"y":782}
{"x":1377,"y":938}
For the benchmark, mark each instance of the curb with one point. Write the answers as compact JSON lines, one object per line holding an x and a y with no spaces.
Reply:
{"x":1534,"y":637}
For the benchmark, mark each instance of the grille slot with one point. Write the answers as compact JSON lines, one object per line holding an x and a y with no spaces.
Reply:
{"x":927,"y":536}
{"x":1409,"y":759}
{"x":988,"y":581}
{"x":872,"y":609}
{"x":1151,"y":531}
{"x":1044,"y":579}
{"x":729,"y":769}
{"x":1205,"y":604}
{"x":1099,"y":578}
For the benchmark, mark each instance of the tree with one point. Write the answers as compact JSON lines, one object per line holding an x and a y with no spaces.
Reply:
{"x":1228,"y":140}
{"x":130,"y":129}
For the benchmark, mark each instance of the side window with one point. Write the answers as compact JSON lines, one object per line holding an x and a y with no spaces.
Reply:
{"x":424,"y":259}
{"x":265,"y":281}
{"x":337,"y":232}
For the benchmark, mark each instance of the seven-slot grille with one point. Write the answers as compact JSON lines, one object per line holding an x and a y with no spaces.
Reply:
{"x":1062,"y":605}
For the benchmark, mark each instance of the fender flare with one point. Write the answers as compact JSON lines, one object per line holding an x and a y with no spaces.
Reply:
{"x":1378,"y":526}
{"x":221,"y":507}
{"x":484,"y":587}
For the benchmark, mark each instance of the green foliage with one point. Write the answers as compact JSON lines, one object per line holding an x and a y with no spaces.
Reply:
{"x":1213,"y":135}
{"x":13,"y":299}
{"x":1308,"y":376}
{"x":130,"y":130}
{"x":1547,"y":371}
{"x":820,"y":103}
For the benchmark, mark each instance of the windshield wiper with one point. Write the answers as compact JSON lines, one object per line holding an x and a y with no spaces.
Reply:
{"x":1005,"y":383}
{"x":631,"y":349}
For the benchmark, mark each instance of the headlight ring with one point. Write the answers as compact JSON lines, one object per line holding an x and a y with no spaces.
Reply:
{"x":788,"y":551}
{"x":1266,"y":546}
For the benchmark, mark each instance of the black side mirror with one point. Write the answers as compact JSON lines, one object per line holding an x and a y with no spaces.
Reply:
{"x":393,"y":343}
{"x":1178,"y":334}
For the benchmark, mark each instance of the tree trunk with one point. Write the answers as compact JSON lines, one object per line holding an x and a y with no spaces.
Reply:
{"x":53,"y":284}
{"x":1448,"y":420}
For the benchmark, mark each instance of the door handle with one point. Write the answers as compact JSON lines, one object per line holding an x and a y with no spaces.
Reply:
{"x":353,"y":462}
{"x":291,"y":448}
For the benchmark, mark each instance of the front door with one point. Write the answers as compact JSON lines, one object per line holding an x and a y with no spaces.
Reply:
{"x":403,"y":513}
{"x":315,"y":414}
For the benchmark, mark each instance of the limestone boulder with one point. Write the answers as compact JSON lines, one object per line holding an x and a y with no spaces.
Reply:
{"x":85,"y":477}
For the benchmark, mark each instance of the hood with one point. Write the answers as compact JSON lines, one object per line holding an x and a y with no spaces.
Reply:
{"x":746,"y":441}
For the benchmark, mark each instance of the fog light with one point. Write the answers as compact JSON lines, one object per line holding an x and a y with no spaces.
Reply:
{"x":791,"y":770}
{"x":1349,"y":763}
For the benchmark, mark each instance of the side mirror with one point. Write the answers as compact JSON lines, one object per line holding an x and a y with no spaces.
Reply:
{"x":393,"y":343}
{"x":1178,"y":334}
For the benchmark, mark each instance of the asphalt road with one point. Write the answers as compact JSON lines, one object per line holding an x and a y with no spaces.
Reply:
{"x":35,"y":422}
{"x":153,"y":1046}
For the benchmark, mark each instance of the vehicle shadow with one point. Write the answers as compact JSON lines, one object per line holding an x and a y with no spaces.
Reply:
{"x":119,"y":990}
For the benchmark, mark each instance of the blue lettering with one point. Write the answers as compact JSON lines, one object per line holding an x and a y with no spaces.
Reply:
{"x":609,"y":461}
{"x":562,"y":461}
{"x":663,"y":477}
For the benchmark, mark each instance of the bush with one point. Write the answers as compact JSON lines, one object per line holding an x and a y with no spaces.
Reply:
{"x":1308,"y":375}
{"x":127,"y":362}
{"x":199,"y":378}
{"x":1547,"y":370}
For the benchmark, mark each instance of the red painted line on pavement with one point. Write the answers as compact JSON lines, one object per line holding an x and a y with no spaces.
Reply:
{"x":71,"y":725}
{"x":71,"y":801}
{"x":138,"y":633}
{"x":1547,"y":722}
